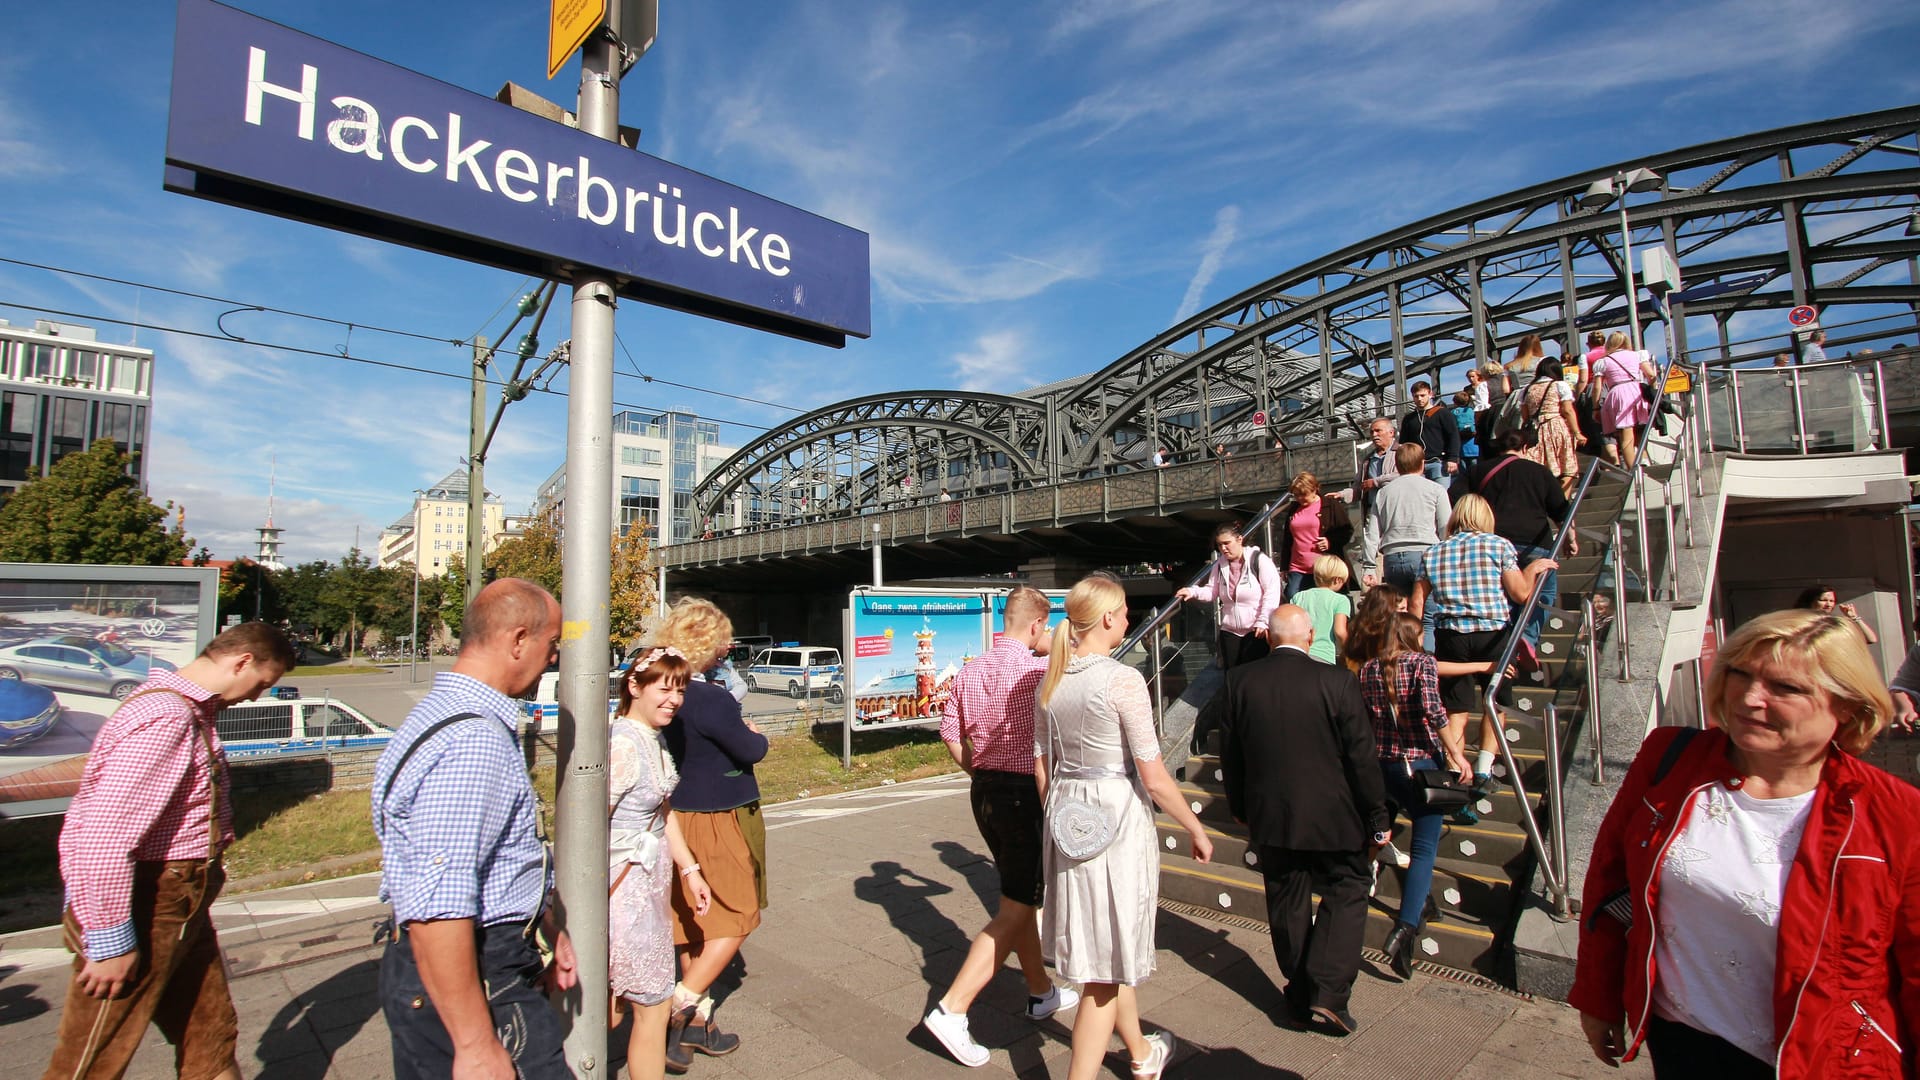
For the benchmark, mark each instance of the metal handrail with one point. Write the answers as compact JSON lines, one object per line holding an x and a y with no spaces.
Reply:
{"x":1162,"y":616}
{"x":1550,"y":849}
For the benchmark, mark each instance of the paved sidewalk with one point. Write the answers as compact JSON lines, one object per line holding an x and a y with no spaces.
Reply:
{"x":876,"y":895}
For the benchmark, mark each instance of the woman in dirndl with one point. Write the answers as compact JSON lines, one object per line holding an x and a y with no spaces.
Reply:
{"x":1548,"y":406}
{"x":1624,"y":372}
{"x":1094,"y":745}
{"x":644,"y":849}
{"x":717,"y":807}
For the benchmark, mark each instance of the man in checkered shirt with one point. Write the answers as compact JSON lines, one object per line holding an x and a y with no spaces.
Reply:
{"x":140,"y":856}
{"x":462,"y":984}
{"x":988,"y":728}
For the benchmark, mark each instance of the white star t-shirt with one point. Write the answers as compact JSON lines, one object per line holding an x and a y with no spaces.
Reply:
{"x":1720,"y":891}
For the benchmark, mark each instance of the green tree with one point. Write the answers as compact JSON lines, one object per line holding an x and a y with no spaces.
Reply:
{"x":350,"y":595}
{"x":453,"y":594}
{"x":252,"y":592}
{"x":300,"y":589}
{"x":631,"y":599}
{"x":534,"y":554}
{"x":87,"y":509}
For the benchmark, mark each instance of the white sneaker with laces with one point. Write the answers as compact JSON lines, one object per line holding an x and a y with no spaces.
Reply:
{"x":1160,"y":1051}
{"x":951,"y":1030}
{"x":1059,"y":999}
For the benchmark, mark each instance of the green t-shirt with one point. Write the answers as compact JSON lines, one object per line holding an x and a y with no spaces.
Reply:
{"x":1323,"y":605}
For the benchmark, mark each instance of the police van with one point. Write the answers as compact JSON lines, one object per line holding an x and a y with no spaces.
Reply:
{"x":798,"y":670}
{"x":296,"y":727}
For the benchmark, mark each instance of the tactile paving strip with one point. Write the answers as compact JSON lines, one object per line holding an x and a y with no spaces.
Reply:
{"x":1438,"y":971}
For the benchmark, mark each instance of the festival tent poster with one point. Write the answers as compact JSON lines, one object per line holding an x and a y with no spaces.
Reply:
{"x":904,"y":649}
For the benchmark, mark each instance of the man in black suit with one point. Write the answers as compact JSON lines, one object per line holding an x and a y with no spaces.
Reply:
{"x":1301,"y":772}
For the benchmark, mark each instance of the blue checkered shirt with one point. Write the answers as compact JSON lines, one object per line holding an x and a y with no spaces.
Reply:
{"x":458,"y":833}
{"x":1462,"y":574}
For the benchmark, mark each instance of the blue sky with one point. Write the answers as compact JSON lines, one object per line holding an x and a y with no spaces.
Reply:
{"x":1045,"y":185}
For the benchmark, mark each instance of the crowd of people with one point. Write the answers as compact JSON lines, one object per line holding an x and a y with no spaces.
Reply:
{"x":1752,"y":904}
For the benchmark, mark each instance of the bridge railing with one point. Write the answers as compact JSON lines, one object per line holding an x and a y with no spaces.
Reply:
{"x":1237,"y":479}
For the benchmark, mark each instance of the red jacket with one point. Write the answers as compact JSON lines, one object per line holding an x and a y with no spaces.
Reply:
{"x":1846,"y":983}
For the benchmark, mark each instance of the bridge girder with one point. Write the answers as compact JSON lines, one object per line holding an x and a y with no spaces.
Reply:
{"x":1302,"y":347}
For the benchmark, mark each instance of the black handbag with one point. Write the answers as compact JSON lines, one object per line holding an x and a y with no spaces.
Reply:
{"x":1439,"y":790}
{"x":1435,"y":790}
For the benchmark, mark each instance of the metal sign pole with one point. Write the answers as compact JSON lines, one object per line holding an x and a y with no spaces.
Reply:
{"x":587,"y":568}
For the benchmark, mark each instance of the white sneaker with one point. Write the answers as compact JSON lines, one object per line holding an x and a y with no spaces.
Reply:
{"x":1400,"y":858}
{"x":1058,"y":999}
{"x":952,"y":1032}
{"x":1160,"y":1051}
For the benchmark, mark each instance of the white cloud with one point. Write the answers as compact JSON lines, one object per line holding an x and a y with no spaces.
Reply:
{"x":1226,"y":225}
{"x":999,"y":361}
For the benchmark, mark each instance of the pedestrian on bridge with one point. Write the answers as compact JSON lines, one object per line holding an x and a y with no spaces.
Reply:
{"x":988,"y":728}
{"x":1410,"y":516}
{"x":1247,"y":584}
{"x":1430,"y":424}
{"x":1467,"y":581}
{"x":140,"y":859}
{"x":1377,"y":468}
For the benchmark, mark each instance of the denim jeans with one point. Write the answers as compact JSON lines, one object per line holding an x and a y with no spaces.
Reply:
{"x":1399,"y":568}
{"x":1298,"y":580}
{"x":1435,"y":471}
{"x":1425,"y":843}
{"x":509,"y":969}
{"x":1549,"y":592}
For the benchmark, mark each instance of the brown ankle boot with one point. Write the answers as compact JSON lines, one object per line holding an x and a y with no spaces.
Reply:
{"x":678,"y":1059}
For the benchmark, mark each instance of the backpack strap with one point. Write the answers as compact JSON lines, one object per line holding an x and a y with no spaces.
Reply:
{"x":434,"y":729}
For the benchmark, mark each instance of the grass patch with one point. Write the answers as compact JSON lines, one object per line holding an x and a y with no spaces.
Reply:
{"x":807,"y":763}
{"x":336,"y":668}
{"x":283,"y":830}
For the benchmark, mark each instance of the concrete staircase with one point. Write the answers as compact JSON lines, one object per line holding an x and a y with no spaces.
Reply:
{"x":1483,"y":871}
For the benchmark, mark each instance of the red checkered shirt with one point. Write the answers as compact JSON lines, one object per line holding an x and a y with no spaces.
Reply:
{"x":991,"y":707}
{"x":1406,"y":727}
{"x":143,"y":797}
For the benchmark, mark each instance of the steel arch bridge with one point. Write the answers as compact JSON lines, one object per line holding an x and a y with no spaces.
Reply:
{"x":1824,"y":214}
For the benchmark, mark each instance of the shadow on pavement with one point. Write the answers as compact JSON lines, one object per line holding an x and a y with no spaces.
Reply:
{"x":19,"y":1002}
{"x":1226,"y":1063}
{"x":328,"y":1014}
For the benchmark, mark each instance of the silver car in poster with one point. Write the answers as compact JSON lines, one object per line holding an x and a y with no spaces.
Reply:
{"x":73,"y":662}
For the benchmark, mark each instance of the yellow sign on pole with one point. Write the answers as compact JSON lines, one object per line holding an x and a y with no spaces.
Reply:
{"x":569,"y":24}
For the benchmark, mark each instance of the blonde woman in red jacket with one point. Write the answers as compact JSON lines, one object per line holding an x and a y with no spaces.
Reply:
{"x":1752,"y":908}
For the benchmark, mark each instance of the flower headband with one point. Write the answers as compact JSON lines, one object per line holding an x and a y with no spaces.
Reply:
{"x":641,"y":662}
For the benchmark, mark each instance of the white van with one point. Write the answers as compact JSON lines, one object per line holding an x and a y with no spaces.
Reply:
{"x":799,"y":670}
{"x":296,"y":727}
{"x":543,"y":709}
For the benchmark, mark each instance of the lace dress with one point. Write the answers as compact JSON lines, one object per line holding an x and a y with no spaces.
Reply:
{"x":1557,"y":446}
{"x":1097,"y":925}
{"x":640,"y":959}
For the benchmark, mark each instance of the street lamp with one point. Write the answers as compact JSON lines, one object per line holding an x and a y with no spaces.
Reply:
{"x":1600,"y":193}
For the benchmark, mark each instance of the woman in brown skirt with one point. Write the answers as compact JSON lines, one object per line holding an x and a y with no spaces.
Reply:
{"x":717,"y":807}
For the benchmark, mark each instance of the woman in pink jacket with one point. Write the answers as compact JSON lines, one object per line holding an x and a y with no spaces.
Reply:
{"x":1247,"y":585}
{"x":1752,"y":907}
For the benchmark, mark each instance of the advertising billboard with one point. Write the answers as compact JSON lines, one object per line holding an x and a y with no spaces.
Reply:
{"x":73,"y":641}
{"x":904,"y":646}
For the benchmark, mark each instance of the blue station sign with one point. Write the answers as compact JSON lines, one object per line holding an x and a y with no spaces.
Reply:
{"x":275,"y":120}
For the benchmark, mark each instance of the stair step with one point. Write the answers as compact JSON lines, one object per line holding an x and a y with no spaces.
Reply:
{"x":1460,"y":886}
{"x":1456,"y":941}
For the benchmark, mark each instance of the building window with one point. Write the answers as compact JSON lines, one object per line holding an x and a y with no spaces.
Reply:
{"x":40,"y":361}
{"x":640,"y":503}
{"x":83,"y":365}
{"x":66,"y":428}
{"x":116,"y":423}
{"x":16,"y":435}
